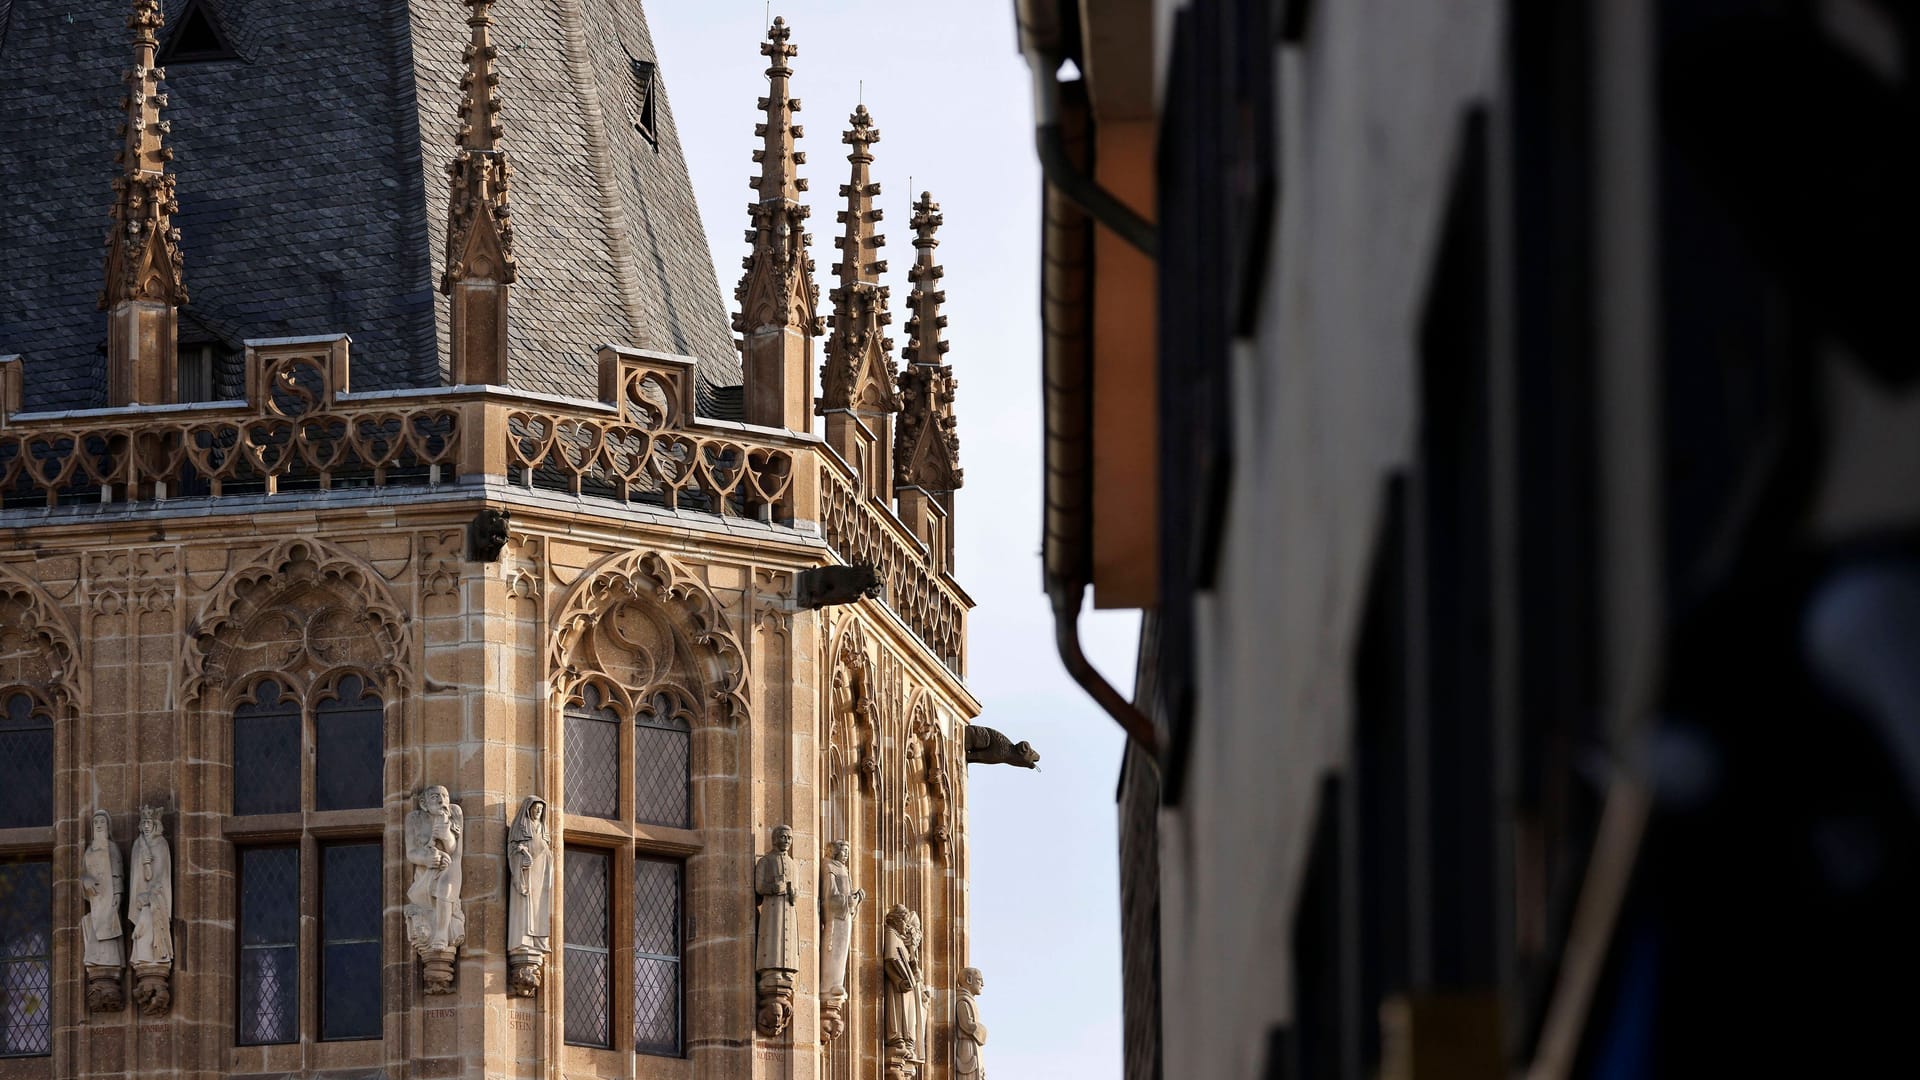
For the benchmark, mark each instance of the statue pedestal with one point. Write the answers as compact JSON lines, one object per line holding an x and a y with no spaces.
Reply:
{"x":901,"y":1065}
{"x":776,"y":1001}
{"x":524,"y":970}
{"x":153,"y":988}
{"x":104,"y":991}
{"x":832,"y":1025}
{"x":436,"y":970}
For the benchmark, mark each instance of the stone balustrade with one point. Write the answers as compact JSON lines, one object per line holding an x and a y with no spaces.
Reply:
{"x":301,"y":428}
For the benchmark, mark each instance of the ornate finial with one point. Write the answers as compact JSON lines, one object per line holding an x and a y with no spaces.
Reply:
{"x":923,"y":328}
{"x":480,"y":126}
{"x":777,"y":295}
{"x":927,"y":442}
{"x":480,"y":262}
{"x":859,"y":372}
{"x":143,"y":247}
{"x":144,"y":288}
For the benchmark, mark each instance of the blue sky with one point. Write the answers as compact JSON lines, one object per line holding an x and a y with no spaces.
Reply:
{"x":950,"y":95}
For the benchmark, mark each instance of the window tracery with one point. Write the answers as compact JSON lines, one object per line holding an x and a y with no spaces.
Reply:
{"x":644,"y":663}
{"x":298,"y":656}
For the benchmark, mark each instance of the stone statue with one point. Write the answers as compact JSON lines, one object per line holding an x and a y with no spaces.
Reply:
{"x":103,"y":885}
{"x":150,"y":910}
{"x":986,"y":746}
{"x":969,"y":1034}
{"x":776,"y":954}
{"x":435,"y":923}
{"x":530,"y":903}
{"x":906,"y":1001}
{"x":839,"y":906}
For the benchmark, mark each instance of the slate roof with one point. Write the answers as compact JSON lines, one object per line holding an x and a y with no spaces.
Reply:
{"x":313,"y":196}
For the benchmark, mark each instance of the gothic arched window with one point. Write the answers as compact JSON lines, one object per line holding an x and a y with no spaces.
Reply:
{"x":660,"y":749}
{"x":662,"y":734}
{"x":26,"y":761}
{"x":266,"y":751}
{"x":347,"y":730}
{"x":26,"y":955}
{"x":339,"y":724}
{"x":645,"y":657}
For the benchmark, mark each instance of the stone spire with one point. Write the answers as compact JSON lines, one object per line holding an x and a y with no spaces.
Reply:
{"x":927,"y":444}
{"x":857,"y":394}
{"x":479,"y":220}
{"x":778,"y":319}
{"x":144,"y":289}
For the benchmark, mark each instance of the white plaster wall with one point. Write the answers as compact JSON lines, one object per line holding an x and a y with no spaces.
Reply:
{"x":1372,"y":105}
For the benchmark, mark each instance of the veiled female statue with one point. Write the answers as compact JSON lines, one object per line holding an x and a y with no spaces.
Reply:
{"x":530,"y":903}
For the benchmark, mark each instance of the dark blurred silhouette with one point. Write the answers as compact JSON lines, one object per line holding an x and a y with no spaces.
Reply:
{"x":1530,"y":678}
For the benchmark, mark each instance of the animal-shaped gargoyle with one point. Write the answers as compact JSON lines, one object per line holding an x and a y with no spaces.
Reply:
{"x":986,"y":746}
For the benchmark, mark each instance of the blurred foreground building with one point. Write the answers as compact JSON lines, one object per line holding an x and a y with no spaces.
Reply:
{"x":439,"y":646}
{"x":1506,"y":415}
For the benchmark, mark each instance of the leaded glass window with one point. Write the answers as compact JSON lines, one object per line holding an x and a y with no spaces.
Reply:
{"x":26,"y":762}
{"x":269,"y":945}
{"x":593,"y":757}
{"x":266,"y":752}
{"x":350,"y":941}
{"x":661,"y":736}
{"x":26,"y":949}
{"x":656,"y":956}
{"x":588,"y":960}
{"x":349,"y":730}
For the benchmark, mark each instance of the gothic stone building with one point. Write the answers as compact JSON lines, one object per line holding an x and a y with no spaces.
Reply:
{"x":451,"y":473}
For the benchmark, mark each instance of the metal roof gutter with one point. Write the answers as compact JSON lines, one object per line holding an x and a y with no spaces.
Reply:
{"x":1066,"y":311}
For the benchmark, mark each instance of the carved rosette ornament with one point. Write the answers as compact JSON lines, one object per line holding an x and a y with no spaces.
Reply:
{"x":926,"y":438}
{"x":436,"y":923}
{"x":776,"y":950}
{"x":102,"y":884}
{"x":150,"y":910}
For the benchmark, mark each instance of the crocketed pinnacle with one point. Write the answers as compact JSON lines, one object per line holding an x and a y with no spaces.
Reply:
{"x":777,"y":289}
{"x":779,"y":179}
{"x":479,"y":218}
{"x":859,"y":238}
{"x":480,"y":127}
{"x":858,"y":372}
{"x":924,"y":325}
{"x":926,"y":449}
{"x":143,"y":247}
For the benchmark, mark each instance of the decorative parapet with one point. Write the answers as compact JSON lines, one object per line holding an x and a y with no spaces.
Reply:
{"x":301,"y":430}
{"x":864,"y":534}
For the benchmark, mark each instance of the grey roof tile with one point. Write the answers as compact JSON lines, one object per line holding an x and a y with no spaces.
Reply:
{"x":318,"y":205}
